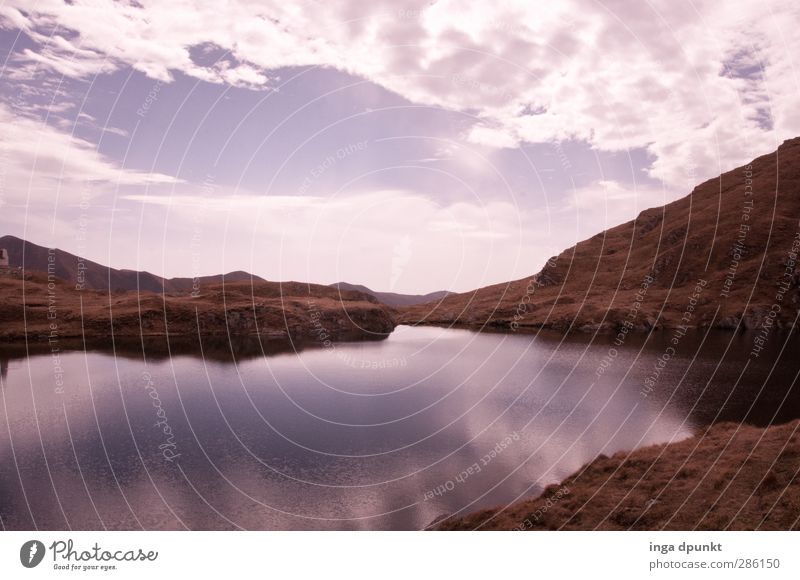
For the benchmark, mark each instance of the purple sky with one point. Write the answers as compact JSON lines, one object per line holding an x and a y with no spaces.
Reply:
{"x":409,"y":146}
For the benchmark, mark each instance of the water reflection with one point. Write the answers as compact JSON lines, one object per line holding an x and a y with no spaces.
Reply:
{"x":376,"y":435}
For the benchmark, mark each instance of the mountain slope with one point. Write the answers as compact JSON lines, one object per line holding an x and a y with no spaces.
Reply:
{"x":393,"y":299}
{"x":94,"y":276}
{"x":723,"y":256}
{"x":35,"y":308}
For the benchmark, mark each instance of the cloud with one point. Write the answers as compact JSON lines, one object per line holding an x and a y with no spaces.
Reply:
{"x":90,"y":121}
{"x":229,"y":203}
{"x":41,"y":163}
{"x":12,"y":18}
{"x":699,"y":84}
{"x":608,"y":203}
{"x":366,"y":237}
{"x":491,"y":137}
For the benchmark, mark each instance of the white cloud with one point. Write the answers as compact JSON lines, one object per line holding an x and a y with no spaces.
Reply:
{"x":65,"y":62}
{"x":608,"y":203}
{"x":703,"y":86}
{"x":662,"y":75}
{"x":12,"y":18}
{"x":491,"y":137}
{"x":41,"y":163}
{"x":230,"y":202}
{"x":350,"y":237}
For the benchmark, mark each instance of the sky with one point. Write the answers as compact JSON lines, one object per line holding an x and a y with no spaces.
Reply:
{"x":408,"y":146}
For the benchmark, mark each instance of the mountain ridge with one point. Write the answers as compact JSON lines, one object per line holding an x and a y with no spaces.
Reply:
{"x":90,"y":275}
{"x":394,"y":299}
{"x":722,"y":256}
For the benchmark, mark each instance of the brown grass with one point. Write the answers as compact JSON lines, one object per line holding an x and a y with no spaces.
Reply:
{"x":732,"y":476}
{"x":28,"y":306}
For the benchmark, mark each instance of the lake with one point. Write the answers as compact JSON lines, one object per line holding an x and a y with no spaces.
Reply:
{"x":387,"y":434}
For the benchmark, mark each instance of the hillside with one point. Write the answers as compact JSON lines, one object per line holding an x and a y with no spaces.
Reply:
{"x":35,"y":308}
{"x":392,"y":298}
{"x":732,"y":476}
{"x":94,"y":276}
{"x":723,"y":256}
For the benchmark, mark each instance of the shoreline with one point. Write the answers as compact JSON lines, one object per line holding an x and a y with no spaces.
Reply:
{"x":729,"y":476}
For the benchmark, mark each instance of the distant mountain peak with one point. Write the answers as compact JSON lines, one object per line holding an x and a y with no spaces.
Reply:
{"x":394,"y":299}
{"x":89,"y":275}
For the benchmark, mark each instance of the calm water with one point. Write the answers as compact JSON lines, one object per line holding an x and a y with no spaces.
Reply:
{"x":377,"y":435}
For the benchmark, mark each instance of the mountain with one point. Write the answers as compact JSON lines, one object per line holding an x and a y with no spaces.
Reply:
{"x":76,"y":303}
{"x":35,"y":308}
{"x":95,"y":276}
{"x":723,"y":256}
{"x":393,"y":299}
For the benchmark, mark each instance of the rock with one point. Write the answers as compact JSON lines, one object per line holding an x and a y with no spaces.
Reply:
{"x":728,"y":323}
